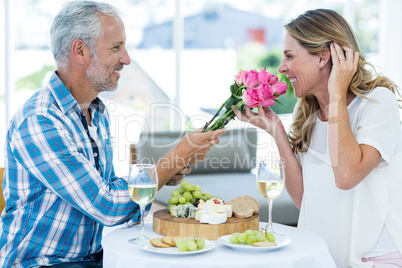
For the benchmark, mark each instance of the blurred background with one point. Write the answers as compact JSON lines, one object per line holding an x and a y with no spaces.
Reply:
{"x":184,"y":56}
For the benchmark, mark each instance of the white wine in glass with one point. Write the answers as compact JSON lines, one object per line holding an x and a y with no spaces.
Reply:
{"x":142,"y":186}
{"x":270,"y":184}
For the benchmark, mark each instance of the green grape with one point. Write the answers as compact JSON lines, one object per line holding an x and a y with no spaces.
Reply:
{"x":197,"y":194}
{"x":193,"y":200}
{"x":181,"y":190}
{"x":200,"y":243}
{"x":182,"y":183}
{"x":169,"y":208}
{"x":175,"y":200}
{"x":249,"y":232}
{"x":242,"y":238}
{"x":234,"y":239}
{"x":182,"y":246}
{"x":255,"y":233}
{"x":170,"y":201}
{"x":179,"y":242}
{"x":187,"y":195}
{"x":204,"y":198}
{"x":192,"y":246}
{"x":189,"y":187}
{"x":182,"y":200}
{"x":175,"y":193}
{"x":190,"y":239}
{"x":208,"y":195}
{"x":251,"y":239}
{"x":270,"y":237}
{"x":260,"y":237}
{"x":197,"y":188}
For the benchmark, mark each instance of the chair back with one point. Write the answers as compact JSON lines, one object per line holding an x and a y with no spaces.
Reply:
{"x":236,"y":151}
{"x":2,"y":201}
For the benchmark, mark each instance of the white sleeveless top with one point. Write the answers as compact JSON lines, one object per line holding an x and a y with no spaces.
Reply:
{"x":366,"y":220}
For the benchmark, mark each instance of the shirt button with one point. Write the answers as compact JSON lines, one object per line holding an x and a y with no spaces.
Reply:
{"x":95,"y":154}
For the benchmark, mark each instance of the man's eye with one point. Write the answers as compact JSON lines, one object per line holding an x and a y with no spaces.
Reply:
{"x":116,"y":47}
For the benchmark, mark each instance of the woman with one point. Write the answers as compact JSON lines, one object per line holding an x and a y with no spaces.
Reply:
{"x":343,"y":152}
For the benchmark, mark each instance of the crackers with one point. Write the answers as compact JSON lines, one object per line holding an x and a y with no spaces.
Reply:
{"x":157,"y":242}
{"x":264,"y":244}
{"x":177,"y":238}
{"x":166,"y":241}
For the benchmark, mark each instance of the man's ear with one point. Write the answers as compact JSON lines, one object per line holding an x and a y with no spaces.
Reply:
{"x":324,"y":58}
{"x":80,"y":52}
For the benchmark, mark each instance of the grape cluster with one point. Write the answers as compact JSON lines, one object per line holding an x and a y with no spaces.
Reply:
{"x":249,"y":237}
{"x":190,"y":244}
{"x":187,"y":193}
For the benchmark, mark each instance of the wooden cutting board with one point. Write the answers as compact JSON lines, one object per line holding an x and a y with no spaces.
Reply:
{"x":165,"y":224}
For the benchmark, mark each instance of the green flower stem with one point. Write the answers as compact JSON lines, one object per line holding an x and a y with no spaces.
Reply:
{"x":216,"y":114}
{"x":227,"y":116}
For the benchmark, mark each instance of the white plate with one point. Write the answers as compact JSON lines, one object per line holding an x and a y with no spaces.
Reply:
{"x":174,"y":251}
{"x":281,"y":242}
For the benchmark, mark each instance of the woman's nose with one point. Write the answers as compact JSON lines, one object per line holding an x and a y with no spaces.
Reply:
{"x":282,"y":67}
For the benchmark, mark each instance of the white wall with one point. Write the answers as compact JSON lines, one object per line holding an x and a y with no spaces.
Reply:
{"x":390,"y":40}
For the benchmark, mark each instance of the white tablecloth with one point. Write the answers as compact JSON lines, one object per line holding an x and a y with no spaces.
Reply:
{"x":307,"y":250}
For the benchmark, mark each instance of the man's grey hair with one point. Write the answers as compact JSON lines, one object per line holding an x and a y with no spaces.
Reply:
{"x":78,"y":20}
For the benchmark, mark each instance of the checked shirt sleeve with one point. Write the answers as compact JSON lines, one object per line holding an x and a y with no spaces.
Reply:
{"x":57,"y":158}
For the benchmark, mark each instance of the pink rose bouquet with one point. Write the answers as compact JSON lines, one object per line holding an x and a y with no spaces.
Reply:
{"x":249,"y":89}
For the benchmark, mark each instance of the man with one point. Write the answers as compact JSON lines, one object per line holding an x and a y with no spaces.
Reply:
{"x":59,"y":183}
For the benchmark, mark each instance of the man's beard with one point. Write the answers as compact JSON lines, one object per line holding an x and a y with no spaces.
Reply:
{"x":98,"y":74}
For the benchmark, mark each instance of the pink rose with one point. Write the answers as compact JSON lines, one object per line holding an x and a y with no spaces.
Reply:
{"x":252,"y":97}
{"x":272,"y":79}
{"x":239,"y":77}
{"x":279,"y":87}
{"x":267,"y":94}
{"x":250,"y":78}
{"x":264,"y":76}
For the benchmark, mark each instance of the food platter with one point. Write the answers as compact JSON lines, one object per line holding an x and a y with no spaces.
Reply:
{"x":165,"y":224}
{"x":281,"y":242}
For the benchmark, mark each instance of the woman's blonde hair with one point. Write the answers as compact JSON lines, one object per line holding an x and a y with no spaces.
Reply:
{"x":315,"y":30}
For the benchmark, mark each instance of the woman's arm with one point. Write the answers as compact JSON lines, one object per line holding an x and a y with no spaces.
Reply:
{"x":351,"y":161}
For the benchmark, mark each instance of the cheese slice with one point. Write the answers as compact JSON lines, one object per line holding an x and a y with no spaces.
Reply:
{"x":213,"y":218}
{"x":225,"y":209}
{"x":198,"y":215}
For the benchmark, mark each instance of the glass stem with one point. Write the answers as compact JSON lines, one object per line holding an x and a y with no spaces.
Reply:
{"x":142,"y":233}
{"x":269,"y":214}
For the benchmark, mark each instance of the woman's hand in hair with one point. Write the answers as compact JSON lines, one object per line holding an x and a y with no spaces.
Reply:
{"x":344,"y":67}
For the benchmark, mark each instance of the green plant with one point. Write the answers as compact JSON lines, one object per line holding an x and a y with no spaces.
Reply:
{"x":35,"y":80}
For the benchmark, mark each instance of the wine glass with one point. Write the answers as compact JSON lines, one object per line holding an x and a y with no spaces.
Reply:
{"x":270,"y":184}
{"x":142,"y":186}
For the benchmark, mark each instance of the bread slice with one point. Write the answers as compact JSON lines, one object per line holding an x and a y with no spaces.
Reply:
{"x":243,"y":214}
{"x":244,"y":206}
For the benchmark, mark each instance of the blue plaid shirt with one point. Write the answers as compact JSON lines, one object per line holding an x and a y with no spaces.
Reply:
{"x":59,"y":193}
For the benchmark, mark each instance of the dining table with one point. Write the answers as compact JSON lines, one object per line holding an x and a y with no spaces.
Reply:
{"x":304,"y":249}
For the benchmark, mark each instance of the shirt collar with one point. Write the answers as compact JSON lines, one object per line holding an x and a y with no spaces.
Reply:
{"x":64,"y":98}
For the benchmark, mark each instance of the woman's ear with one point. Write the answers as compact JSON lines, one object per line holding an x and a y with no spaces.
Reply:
{"x":324,"y":58}
{"x":80,"y":52}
